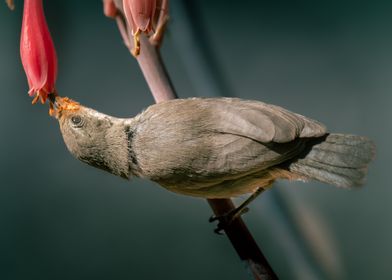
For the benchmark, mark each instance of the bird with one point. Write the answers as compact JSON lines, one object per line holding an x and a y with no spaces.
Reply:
{"x":213,"y":147}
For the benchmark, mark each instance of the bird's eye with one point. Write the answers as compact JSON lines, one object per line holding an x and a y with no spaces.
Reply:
{"x":77,"y":121}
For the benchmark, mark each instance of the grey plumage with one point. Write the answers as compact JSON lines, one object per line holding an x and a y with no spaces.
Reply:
{"x":214,"y":147}
{"x":338,"y":159}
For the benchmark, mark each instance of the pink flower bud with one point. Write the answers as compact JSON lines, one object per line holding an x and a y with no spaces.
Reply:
{"x":140,"y":14}
{"x":37,"y":51}
{"x":146,"y":16}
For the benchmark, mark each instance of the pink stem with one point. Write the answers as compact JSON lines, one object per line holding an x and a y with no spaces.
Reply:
{"x":154,"y":71}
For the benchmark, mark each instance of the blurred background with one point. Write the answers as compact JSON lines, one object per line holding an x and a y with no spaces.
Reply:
{"x":328,"y":60}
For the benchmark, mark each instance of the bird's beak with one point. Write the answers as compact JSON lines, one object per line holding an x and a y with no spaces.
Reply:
{"x":59,"y":104}
{"x":53,"y":105}
{"x":52,"y":98}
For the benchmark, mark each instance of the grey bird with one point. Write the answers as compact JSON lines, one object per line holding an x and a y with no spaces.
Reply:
{"x":214,"y":147}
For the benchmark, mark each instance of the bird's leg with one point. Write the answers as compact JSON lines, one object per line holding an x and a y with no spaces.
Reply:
{"x":228,"y":218}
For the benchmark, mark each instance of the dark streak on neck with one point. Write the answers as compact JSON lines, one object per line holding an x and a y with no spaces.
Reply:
{"x":130,"y":135}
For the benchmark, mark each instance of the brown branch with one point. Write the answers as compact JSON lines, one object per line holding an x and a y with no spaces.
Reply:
{"x":243,"y":242}
{"x":162,"y":89}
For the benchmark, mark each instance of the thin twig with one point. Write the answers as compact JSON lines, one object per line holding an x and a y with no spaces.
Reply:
{"x":155,"y":72}
{"x":162,"y":89}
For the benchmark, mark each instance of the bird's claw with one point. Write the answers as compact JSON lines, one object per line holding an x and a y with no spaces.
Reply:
{"x":219,"y":228}
{"x":221,"y":224}
{"x":226,"y":219}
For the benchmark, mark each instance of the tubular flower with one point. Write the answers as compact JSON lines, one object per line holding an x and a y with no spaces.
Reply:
{"x":145,"y":16}
{"x":37,"y":51}
{"x":140,"y":14}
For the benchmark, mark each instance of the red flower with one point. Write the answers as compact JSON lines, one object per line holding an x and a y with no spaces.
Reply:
{"x":37,"y":51}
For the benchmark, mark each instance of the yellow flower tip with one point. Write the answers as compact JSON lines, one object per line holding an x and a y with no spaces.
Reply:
{"x":136,"y":43}
{"x":35,"y":99}
{"x":42,"y":98}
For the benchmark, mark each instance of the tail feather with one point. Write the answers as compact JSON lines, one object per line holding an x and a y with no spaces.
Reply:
{"x":338,"y":159}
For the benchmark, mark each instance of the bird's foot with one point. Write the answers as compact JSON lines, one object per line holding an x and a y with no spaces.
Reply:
{"x":226,"y":219}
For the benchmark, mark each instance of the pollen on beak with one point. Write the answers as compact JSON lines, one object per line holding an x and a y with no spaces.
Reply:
{"x":60,"y":105}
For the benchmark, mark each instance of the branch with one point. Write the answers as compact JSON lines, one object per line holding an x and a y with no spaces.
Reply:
{"x":162,"y":89}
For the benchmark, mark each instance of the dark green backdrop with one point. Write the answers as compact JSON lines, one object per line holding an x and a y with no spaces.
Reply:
{"x":61,"y":219}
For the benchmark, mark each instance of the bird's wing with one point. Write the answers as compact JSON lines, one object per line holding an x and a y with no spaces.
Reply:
{"x":206,"y":141}
{"x":259,"y":121}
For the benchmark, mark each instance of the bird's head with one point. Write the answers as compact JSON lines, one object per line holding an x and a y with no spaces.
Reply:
{"x":92,"y":137}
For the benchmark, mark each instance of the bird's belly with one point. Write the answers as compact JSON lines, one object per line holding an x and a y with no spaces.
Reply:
{"x":222,"y":189}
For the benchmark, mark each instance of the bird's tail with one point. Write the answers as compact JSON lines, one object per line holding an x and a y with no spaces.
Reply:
{"x":336,"y":159}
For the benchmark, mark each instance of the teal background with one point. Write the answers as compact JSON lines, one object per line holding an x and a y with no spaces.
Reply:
{"x":61,"y":219}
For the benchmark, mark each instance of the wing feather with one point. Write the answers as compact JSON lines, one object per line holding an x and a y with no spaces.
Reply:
{"x":259,"y":121}
{"x":195,"y":143}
